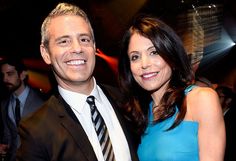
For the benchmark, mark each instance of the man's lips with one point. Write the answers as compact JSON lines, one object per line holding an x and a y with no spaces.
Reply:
{"x":8,"y":84}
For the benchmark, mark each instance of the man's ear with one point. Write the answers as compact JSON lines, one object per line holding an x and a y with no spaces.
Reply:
{"x":45,"y":54}
{"x":23,"y":75}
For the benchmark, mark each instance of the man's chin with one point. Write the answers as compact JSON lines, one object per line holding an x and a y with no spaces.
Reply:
{"x":10,"y":88}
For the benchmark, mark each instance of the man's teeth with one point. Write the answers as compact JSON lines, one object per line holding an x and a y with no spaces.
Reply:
{"x":149,"y":75}
{"x":76,"y":62}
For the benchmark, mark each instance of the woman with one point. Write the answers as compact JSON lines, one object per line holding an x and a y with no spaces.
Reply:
{"x":181,"y":122}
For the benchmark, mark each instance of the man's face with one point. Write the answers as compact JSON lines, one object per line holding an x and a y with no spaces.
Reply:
{"x":71,"y":51}
{"x":11,"y":78}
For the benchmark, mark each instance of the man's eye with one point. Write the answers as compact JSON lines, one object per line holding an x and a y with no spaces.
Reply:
{"x":85,"y":40}
{"x":11,"y":73}
{"x":63,"y":42}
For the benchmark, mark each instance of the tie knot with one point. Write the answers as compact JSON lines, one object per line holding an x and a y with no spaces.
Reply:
{"x":90,"y":100}
{"x":17,"y":101}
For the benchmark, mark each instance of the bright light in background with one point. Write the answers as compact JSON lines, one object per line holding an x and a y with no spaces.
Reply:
{"x":232,"y":44}
{"x":218,"y":50}
{"x":227,"y":40}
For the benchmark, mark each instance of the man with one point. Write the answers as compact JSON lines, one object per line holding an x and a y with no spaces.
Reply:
{"x":228,"y":104}
{"x":63,"y":129}
{"x":14,"y":77}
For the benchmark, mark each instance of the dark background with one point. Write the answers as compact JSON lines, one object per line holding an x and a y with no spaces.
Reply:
{"x":21,"y":21}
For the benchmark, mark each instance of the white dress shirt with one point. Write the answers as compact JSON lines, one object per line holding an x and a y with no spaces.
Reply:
{"x":81,"y":109}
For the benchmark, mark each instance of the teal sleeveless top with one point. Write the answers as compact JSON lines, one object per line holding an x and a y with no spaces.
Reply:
{"x":178,"y":144}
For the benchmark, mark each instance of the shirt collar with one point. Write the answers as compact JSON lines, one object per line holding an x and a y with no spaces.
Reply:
{"x":78,"y":100}
{"x":95,"y":92}
{"x":22,"y":97}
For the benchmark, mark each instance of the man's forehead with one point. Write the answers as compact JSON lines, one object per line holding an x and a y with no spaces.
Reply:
{"x":68,"y":22}
{"x":8,"y":67}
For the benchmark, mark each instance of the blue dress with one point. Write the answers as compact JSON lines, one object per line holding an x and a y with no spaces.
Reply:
{"x":178,"y":144}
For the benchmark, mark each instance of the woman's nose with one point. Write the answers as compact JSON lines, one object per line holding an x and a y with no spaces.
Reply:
{"x":145,"y":62}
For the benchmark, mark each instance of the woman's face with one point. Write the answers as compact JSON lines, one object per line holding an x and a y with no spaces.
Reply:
{"x":148,"y":68}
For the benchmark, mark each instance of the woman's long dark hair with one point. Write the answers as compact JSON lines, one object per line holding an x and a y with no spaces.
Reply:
{"x":170,"y":48}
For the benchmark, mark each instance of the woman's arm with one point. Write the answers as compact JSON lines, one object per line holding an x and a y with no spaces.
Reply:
{"x":206,"y":109}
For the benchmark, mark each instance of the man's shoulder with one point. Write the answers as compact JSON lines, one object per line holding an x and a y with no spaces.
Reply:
{"x":36,"y":93}
{"x":46,"y":109}
{"x":112,"y":91}
{"x":4,"y":101}
{"x":113,"y":94}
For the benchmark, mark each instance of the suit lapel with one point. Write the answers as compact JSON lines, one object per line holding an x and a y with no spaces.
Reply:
{"x":75,"y":129}
{"x":5,"y":117}
{"x":27,"y":105}
{"x":30,"y":103}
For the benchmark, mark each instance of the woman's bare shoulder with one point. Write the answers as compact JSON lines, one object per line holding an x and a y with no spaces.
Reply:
{"x":203,"y":103}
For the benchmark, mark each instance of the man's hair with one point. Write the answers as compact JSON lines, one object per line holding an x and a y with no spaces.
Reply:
{"x":62,"y":9}
{"x":16,"y":62}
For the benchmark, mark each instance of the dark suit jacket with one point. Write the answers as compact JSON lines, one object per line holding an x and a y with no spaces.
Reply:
{"x":9,"y":132}
{"x":55,"y":134}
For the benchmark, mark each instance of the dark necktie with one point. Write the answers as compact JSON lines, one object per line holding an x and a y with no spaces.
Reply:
{"x":101,"y":130}
{"x":17,"y":112}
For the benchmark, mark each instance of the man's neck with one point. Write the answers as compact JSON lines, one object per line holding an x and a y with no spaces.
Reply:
{"x":19,"y":90}
{"x":81,"y":87}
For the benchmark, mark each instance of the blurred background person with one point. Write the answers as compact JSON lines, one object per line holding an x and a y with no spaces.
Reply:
{"x":182,"y":121}
{"x":226,"y":96}
{"x":20,"y":101}
{"x":204,"y":82}
{"x":227,"y":100}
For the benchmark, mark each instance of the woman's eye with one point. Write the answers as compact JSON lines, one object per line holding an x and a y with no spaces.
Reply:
{"x":154,"y":52}
{"x":134,"y":57}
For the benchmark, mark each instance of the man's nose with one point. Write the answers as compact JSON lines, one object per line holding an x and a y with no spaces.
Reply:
{"x":76,"y":46}
{"x":4,"y":78}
